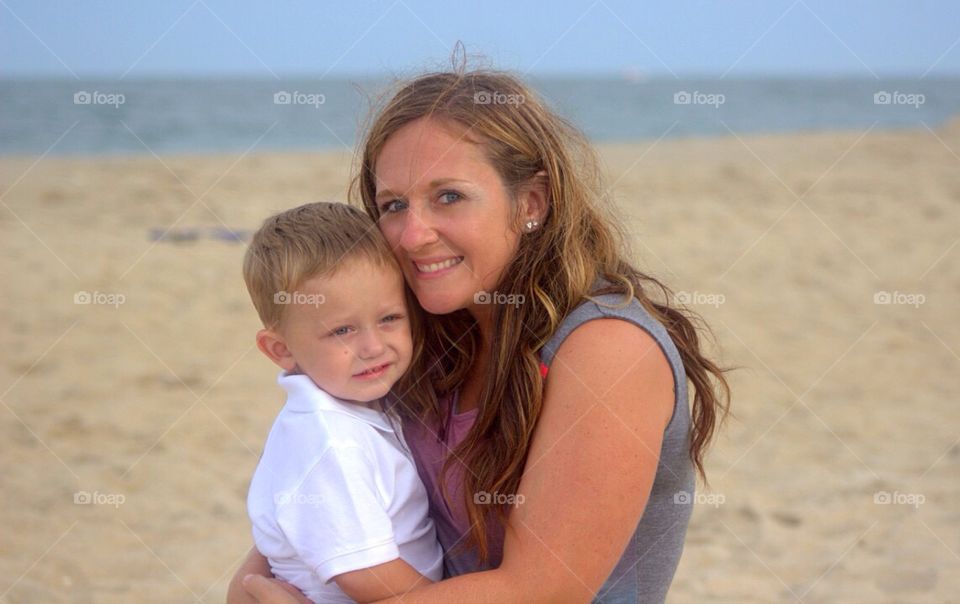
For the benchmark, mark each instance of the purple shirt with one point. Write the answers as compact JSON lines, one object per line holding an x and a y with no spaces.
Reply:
{"x":649,"y":561}
{"x":452,"y":523}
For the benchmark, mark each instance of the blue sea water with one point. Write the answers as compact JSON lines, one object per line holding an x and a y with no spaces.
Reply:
{"x":69,"y":117}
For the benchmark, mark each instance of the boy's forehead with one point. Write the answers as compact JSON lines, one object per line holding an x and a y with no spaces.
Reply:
{"x":357,"y":284}
{"x":353,"y":271}
{"x":342,"y":308}
{"x":339,"y":309}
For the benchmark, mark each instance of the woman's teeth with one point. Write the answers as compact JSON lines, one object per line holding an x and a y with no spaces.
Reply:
{"x":436,"y":266}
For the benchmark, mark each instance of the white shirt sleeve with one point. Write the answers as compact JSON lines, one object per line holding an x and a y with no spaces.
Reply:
{"x":336,"y":518}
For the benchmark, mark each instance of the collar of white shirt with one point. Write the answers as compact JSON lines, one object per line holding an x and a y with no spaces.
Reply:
{"x":303,"y":396}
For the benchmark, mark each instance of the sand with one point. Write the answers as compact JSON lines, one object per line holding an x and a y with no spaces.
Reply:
{"x":131,"y":425}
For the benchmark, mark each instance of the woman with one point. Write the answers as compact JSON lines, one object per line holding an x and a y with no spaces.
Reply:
{"x":547,"y":398}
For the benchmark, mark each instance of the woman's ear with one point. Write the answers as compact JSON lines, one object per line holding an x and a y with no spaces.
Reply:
{"x":535,"y":198}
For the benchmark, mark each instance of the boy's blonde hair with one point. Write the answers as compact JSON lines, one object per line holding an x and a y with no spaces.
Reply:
{"x":315,"y":239}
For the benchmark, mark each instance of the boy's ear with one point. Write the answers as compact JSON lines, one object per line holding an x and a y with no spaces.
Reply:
{"x":273,"y":345}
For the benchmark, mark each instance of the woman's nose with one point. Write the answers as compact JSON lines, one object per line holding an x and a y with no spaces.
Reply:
{"x":417,"y":231}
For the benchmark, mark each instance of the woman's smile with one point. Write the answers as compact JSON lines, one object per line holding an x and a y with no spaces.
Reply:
{"x":428,"y":268}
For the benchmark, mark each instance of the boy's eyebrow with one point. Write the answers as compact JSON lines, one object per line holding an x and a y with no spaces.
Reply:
{"x":432,"y":184}
{"x":347,"y":317}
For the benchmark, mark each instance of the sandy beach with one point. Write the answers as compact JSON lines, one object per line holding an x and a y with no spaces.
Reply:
{"x":135,"y":404}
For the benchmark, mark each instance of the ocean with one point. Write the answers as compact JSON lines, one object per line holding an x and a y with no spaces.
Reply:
{"x":164,"y":116}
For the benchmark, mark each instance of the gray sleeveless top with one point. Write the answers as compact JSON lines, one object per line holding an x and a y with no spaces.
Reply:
{"x":647,"y":566}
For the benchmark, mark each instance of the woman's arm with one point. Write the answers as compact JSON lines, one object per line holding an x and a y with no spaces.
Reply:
{"x":588,"y":475}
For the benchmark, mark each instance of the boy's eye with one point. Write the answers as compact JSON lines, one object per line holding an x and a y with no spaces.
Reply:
{"x":340,"y":331}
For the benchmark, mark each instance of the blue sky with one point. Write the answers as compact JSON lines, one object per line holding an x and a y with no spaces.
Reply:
{"x":134,"y":39}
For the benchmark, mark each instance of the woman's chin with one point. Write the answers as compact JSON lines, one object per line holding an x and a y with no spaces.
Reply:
{"x":439,"y":304}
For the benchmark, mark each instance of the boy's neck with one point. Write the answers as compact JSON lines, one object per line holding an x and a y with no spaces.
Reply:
{"x":374,"y":404}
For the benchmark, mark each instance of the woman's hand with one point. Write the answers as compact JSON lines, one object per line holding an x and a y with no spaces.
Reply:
{"x":264,"y":590}
{"x":253,"y":583}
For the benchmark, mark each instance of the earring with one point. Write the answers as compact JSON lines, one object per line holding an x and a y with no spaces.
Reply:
{"x":532,"y":226}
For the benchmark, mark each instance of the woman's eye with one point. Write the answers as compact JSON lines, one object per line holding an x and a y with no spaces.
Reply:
{"x":450,"y":196}
{"x":391,"y":206}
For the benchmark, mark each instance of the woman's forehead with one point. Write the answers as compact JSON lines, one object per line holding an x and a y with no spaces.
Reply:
{"x":424,"y":151}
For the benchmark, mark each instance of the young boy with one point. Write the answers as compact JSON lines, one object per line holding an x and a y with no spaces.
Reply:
{"x":336,"y":503}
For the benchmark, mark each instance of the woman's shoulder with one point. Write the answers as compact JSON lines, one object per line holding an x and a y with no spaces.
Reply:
{"x":611,"y":306}
{"x":609,"y":324}
{"x":615,"y":363}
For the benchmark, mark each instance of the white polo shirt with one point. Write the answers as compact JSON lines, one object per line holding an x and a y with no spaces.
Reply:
{"x":336,"y":490}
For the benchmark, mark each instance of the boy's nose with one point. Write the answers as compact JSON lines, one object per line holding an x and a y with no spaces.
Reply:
{"x":371,"y":344}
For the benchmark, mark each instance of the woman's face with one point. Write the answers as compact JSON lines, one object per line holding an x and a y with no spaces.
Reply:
{"x":446,"y":214}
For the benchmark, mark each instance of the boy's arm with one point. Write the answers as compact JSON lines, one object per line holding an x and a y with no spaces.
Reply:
{"x":253,"y":564}
{"x":387,"y":580}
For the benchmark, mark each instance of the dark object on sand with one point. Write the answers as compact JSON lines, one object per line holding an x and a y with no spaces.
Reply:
{"x":185,"y":234}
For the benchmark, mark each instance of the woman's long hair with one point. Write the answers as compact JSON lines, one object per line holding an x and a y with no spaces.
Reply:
{"x":580,"y":239}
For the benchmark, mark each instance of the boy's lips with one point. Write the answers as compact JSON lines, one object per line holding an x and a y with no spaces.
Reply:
{"x":374,"y":371}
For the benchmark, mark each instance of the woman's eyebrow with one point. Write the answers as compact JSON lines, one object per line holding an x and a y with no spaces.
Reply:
{"x":442,"y":181}
{"x":432,"y":185}
{"x":385,"y":193}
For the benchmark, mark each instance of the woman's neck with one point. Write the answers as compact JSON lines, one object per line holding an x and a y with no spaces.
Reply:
{"x":470,"y":387}
{"x":483,"y":315}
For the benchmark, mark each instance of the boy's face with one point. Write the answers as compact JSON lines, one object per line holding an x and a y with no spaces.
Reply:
{"x":349,"y":332}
